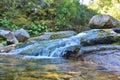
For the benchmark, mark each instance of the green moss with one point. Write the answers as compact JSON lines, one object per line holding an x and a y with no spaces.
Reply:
{"x":37,"y":39}
{"x":107,"y":31}
{"x":100,"y":34}
{"x":104,"y":32}
{"x":117,"y":40}
{"x":55,"y":36}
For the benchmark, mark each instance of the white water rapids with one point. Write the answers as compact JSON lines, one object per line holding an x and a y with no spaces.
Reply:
{"x":49,"y":49}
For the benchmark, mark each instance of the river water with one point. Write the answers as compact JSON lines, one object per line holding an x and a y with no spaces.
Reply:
{"x":14,"y":67}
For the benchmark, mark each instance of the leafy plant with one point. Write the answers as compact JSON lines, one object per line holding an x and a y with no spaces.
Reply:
{"x":5,"y":22}
{"x":110,"y":7}
{"x":56,"y":15}
{"x":38,"y":29}
{"x":14,"y":27}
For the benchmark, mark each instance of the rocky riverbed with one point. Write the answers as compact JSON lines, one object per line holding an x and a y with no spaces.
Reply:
{"x":13,"y":68}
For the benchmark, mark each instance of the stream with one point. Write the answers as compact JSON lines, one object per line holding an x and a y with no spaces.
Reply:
{"x":13,"y":67}
{"x":47,"y":60}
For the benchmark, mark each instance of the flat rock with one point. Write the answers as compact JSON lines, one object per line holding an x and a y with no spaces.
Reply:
{"x":99,"y":36}
{"x":53,"y":35}
{"x":107,"y":56}
{"x":7,"y":48}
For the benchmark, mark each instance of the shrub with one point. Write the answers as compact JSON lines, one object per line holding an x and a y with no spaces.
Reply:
{"x":55,"y":15}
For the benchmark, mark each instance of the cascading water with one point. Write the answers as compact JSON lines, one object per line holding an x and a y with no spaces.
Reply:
{"x":59,"y":47}
{"x":93,"y":46}
{"x":50,"y":48}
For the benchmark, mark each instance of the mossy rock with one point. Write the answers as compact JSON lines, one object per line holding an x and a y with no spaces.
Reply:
{"x":53,"y":35}
{"x":61,"y":34}
{"x":99,"y":36}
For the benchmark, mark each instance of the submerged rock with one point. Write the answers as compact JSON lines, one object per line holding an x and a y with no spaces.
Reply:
{"x":107,"y":56}
{"x":103,"y":21}
{"x":110,"y":48}
{"x":50,"y":48}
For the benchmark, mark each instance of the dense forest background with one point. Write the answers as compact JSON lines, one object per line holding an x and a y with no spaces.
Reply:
{"x":38,"y":16}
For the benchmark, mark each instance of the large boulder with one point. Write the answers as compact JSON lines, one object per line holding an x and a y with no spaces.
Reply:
{"x":103,"y":21}
{"x":99,"y":36}
{"x":53,"y":35}
{"x":22,"y":35}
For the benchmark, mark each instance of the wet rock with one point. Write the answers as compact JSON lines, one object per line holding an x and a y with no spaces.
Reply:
{"x":11,"y":39}
{"x":117,"y":30}
{"x":53,"y":35}
{"x":61,"y":34}
{"x":103,"y":21}
{"x":7,"y":48}
{"x":4,"y":32}
{"x":49,"y":48}
{"x":39,"y":38}
{"x":22,"y":35}
{"x":98,"y":48}
{"x":9,"y":36}
{"x":107,"y":57}
{"x":99,"y":36}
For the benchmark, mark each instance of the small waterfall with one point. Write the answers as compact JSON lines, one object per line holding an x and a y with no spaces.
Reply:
{"x":51,"y":48}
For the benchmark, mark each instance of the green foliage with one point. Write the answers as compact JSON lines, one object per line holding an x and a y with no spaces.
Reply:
{"x":4,"y":43}
{"x":50,"y":15}
{"x":111,"y":7}
{"x":67,"y":10}
{"x":14,"y":27}
{"x":38,"y":29}
{"x":114,"y":11}
{"x":6,"y":23}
